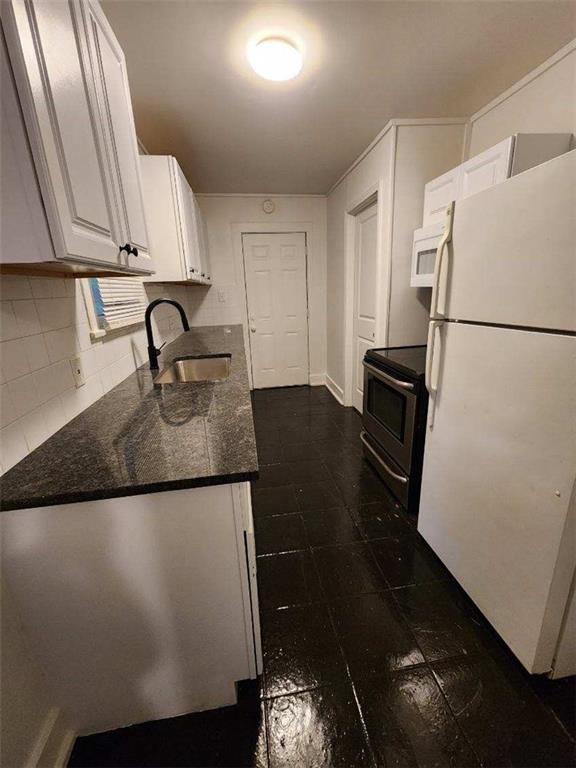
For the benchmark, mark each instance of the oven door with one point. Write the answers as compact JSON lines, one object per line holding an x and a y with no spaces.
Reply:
{"x":389,"y":412}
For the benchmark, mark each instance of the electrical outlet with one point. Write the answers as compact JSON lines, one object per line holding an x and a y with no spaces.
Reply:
{"x":221,"y":296}
{"x":77,"y":371}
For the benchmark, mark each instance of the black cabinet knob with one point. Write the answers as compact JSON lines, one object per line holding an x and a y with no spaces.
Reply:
{"x":134,"y":251}
{"x":126,"y":248}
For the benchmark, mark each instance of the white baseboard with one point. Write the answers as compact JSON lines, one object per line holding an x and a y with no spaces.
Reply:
{"x":317,"y":379}
{"x":336,"y":391}
{"x":54,"y":744}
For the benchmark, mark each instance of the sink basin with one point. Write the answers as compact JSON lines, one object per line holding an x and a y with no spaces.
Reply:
{"x":191,"y":369}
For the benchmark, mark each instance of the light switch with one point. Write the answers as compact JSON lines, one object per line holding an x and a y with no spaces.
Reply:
{"x":221,"y":296}
{"x":77,"y":371}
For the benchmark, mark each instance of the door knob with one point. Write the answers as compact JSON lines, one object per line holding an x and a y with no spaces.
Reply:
{"x":253,"y":329}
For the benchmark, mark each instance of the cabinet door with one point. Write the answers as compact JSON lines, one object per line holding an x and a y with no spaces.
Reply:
{"x":189,"y":229}
{"x":46,"y":45}
{"x":438,"y":194}
{"x":115,"y":107}
{"x":202,"y":234}
{"x":486,"y":169}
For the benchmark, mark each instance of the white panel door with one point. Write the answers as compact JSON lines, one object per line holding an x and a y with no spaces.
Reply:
{"x":47,"y":46}
{"x":364,"y":295}
{"x":438,"y":194}
{"x":187,"y":218}
{"x":276,"y":290}
{"x":499,"y":469}
{"x":111,"y":85}
{"x":486,"y":169}
{"x":512,"y":259}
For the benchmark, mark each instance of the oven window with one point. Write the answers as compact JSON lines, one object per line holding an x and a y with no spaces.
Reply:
{"x":388,"y":406}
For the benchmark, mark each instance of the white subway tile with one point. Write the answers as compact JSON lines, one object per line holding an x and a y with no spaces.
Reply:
{"x":48,"y":287}
{"x":36,"y":352}
{"x":7,"y":409}
{"x":26,"y":317}
{"x":54,"y":380}
{"x":54,"y":414}
{"x":61,"y":344}
{"x":8,"y":323}
{"x":55,"y":313}
{"x":13,"y":446}
{"x":13,"y":359}
{"x":24,"y":394}
{"x":15,"y":287}
{"x":34,"y":429}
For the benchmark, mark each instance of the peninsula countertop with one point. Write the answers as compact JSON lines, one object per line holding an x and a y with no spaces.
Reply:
{"x":139,"y":438}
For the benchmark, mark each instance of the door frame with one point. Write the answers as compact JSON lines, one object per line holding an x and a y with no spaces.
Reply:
{"x":239,"y":230}
{"x":371,"y":195}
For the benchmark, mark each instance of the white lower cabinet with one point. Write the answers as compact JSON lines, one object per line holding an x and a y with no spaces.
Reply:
{"x":178,"y":237}
{"x":138,"y":608}
{"x":65,"y":71}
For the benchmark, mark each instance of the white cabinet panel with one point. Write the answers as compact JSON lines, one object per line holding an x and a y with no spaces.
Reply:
{"x":45,"y":44}
{"x":178,"y":239}
{"x":438,"y":193}
{"x":424,"y":247}
{"x":486,"y":169}
{"x":111,"y":84}
{"x":82,"y":154}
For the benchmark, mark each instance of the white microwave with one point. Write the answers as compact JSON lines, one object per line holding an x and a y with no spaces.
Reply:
{"x":425,"y":245}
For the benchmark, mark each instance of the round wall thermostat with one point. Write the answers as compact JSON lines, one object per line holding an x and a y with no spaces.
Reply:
{"x":268,"y":206}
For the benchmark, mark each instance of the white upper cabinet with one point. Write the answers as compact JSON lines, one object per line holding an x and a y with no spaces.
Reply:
{"x":486,"y":169}
{"x":77,"y":117}
{"x":438,"y":193}
{"x":111,"y":81}
{"x":178,"y":241}
{"x":507,"y":158}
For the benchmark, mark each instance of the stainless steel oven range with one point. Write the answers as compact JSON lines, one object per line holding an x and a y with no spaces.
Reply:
{"x":394,"y":418}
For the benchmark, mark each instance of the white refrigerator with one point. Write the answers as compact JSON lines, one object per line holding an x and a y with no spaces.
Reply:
{"x":498,"y":503}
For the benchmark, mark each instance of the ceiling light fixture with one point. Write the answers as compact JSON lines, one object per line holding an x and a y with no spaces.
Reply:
{"x":275,"y":58}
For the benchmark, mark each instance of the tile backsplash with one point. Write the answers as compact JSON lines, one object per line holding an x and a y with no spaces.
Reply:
{"x":43,"y":324}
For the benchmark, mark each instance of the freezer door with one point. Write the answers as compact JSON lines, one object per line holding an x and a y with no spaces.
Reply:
{"x":512,"y":260}
{"x":499,"y":469}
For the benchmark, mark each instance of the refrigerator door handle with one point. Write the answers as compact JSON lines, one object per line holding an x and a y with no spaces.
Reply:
{"x":431,"y":385}
{"x":446,"y":238}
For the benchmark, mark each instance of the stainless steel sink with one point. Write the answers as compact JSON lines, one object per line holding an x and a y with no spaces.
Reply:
{"x":190,"y":369}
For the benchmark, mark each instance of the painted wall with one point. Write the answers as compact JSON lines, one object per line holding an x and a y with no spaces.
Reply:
{"x":542,"y":102}
{"x":43,"y":323}
{"x":398,"y":165}
{"x":224,"y":214}
{"x":31,"y":726}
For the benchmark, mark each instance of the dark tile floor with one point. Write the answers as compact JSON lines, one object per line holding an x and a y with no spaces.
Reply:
{"x":373,"y":656}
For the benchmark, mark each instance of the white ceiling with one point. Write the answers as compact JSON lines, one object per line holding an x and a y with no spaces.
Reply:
{"x":365,"y":62}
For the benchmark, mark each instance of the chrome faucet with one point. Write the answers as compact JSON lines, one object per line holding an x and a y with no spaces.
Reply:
{"x":153,"y":352}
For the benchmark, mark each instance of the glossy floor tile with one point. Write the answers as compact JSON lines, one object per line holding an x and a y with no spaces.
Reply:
{"x":300,"y":650}
{"x":318,"y":729}
{"x":410,"y":723}
{"x":373,"y":656}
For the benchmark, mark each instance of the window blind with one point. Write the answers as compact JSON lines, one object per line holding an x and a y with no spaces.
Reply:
{"x":118,"y":301}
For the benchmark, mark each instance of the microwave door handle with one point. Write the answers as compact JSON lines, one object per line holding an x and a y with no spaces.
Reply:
{"x":386,"y":377}
{"x":401,"y":478}
{"x":446,"y":238}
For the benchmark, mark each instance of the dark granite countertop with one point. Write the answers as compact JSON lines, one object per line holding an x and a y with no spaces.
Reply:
{"x":143,"y":439}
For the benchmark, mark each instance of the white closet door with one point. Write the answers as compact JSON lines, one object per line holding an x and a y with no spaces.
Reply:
{"x":486,"y":169}
{"x":276,"y":289}
{"x":111,"y":84}
{"x":47,"y":46}
{"x":364,"y":295}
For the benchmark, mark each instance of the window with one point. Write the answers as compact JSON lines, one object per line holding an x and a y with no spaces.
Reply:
{"x":114,"y":302}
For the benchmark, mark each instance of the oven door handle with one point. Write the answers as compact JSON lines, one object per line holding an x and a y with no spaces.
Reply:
{"x":401,"y":478}
{"x":381,"y":375}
